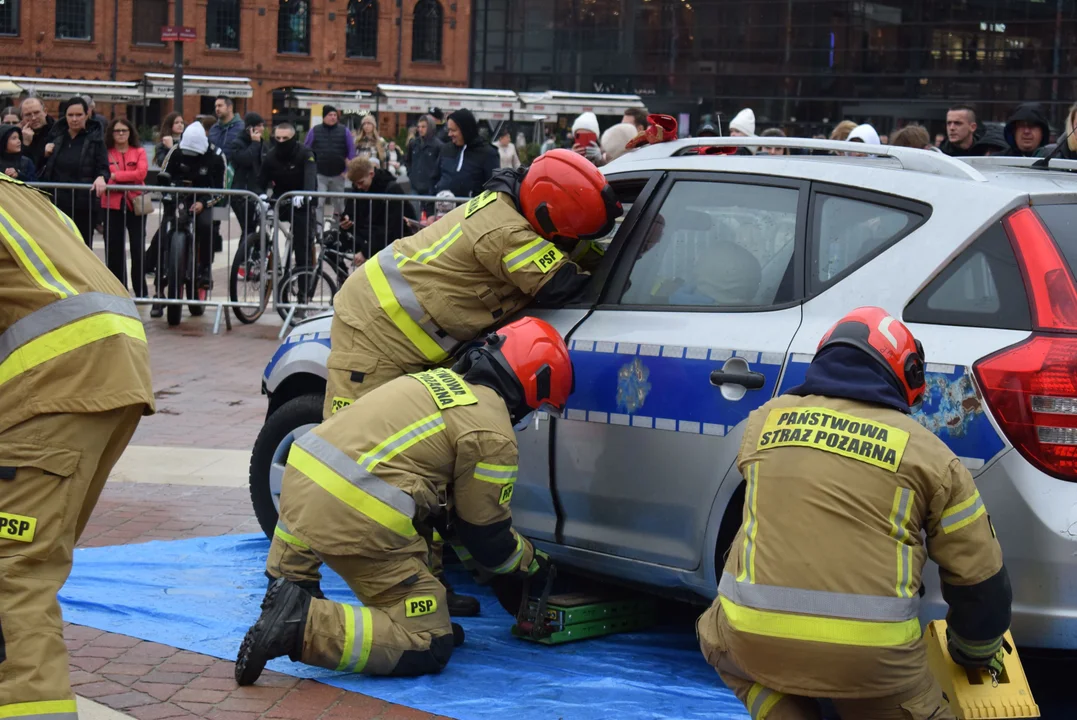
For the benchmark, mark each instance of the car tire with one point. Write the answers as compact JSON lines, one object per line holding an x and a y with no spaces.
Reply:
{"x":292,"y":419}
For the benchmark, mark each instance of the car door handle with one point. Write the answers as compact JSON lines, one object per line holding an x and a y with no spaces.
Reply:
{"x":749,"y":380}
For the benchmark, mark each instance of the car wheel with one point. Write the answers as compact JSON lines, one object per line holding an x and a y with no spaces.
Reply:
{"x":291,"y":420}
{"x":732,"y":519}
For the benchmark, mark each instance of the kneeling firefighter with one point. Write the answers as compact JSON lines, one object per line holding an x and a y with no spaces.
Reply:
{"x":418,"y":300}
{"x":362,"y":490}
{"x":820,"y":593}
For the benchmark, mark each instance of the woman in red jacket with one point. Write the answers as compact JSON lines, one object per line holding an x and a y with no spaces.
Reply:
{"x":127,"y":165}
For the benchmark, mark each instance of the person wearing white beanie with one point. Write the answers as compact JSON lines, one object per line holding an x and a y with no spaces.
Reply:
{"x":743,"y":124}
{"x":615,"y":138}
{"x":585,"y":121}
{"x":864,"y":133}
{"x":194,"y":139}
{"x":585,"y":138}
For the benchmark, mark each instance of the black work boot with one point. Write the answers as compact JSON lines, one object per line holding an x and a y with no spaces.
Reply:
{"x":278,"y":632}
{"x":313,"y":587}
{"x":459,"y":605}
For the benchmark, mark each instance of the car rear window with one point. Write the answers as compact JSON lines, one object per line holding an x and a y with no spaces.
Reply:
{"x":1061,"y":221}
{"x":981,"y":287}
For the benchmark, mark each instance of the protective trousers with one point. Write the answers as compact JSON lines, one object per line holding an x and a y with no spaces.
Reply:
{"x":52,"y":470}
{"x":402,"y":628}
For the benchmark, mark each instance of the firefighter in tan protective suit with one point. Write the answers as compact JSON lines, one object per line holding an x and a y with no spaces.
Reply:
{"x":74,"y":382}
{"x":363,"y":490}
{"x":820,"y":592}
{"x":419,"y":299}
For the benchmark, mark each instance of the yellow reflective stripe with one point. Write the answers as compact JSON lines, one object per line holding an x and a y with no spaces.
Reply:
{"x":518,"y":258}
{"x":68,"y":338}
{"x":813,"y":628}
{"x":761,"y":700}
{"x":426,"y":255}
{"x":514,"y":560}
{"x":368,"y":639}
{"x":349,"y":637}
{"x":411,"y":329}
{"x":338,"y":487}
{"x":44,"y":707}
{"x":382,"y":451}
{"x":289,"y":538}
{"x":965,"y":512}
{"x":69,"y":223}
{"x":33,"y":258}
{"x":497,"y":474}
{"x":751,"y":526}
{"x":900,"y":514}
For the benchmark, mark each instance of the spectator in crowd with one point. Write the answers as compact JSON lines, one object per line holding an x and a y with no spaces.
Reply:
{"x":466,"y":162}
{"x":615,"y":138}
{"x":392,"y":158}
{"x":636,"y":117}
{"x":585,"y":134}
{"x":127,"y":166}
{"x":373,"y":224}
{"x":227,"y":127}
{"x":13,"y":162}
{"x":291,"y":167}
{"x":77,"y":154}
{"x":865,"y":134}
{"x":521,"y":141}
{"x":248,"y":154}
{"x":36,"y":127}
{"x":10,"y":115}
{"x":993,"y":142}
{"x":169,"y":135}
{"x":96,"y":118}
{"x":774,"y":133}
{"x":962,"y":132}
{"x":441,"y":130}
{"x":1068,"y":140}
{"x":841,"y":130}
{"x":549,"y":143}
{"x":369,"y":142}
{"x":1027,"y":130}
{"x":743,"y":125}
{"x":708,"y":127}
{"x":916,"y":136}
{"x":506,"y":150}
{"x":333,"y":147}
{"x":884,"y":139}
{"x":207,"y":122}
{"x":422,"y":156}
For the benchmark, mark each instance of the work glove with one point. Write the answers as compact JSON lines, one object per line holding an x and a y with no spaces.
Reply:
{"x":965,"y":655}
{"x":297,"y":201}
{"x":509,"y":589}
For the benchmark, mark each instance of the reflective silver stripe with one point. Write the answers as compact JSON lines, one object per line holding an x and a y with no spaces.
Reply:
{"x":406,"y":298}
{"x":445,"y":241}
{"x":59,"y":313}
{"x":518,"y":261}
{"x":876,"y":608}
{"x":498,"y":474}
{"x":59,"y":287}
{"x":957,"y":517}
{"x":900,"y":521}
{"x":369,"y":461}
{"x":357,"y":643}
{"x":757,"y":707}
{"x":339,"y":462}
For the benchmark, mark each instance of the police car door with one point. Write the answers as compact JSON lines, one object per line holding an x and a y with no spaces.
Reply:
{"x":689,"y":337}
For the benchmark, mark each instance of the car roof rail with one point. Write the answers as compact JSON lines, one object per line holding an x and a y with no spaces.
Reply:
{"x":928,"y":161}
{"x":1038,"y":163}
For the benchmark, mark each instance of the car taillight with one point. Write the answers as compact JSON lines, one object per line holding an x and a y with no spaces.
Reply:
{"x":1031,"y":387}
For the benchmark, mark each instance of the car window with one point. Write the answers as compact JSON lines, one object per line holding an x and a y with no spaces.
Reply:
{"x":848,"y":232}
{"x":1061,"y":221}
{"x":981,"y":287}
{"x":717,"y":244}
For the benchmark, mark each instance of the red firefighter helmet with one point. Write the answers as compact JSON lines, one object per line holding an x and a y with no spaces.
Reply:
{"x":565,"y":197}
{"x":887,"y":341}
{"x":537,"y":357}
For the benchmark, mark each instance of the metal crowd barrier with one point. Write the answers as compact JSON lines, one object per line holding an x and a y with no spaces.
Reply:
{"x":376,"y":221}
{"x":133,"y":241}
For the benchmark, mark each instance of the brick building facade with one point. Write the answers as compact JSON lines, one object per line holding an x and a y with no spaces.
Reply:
{"x":319,"y":45}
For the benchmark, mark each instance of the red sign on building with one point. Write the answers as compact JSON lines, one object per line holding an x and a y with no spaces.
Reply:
{"x":175,"y":33}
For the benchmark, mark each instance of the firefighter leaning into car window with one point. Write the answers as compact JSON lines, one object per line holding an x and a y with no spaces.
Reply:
{"x":820,"y":591}
{"x":419,"y":299}
{"x":363,"y":489}
{"x":196,"y":164}
{"x":75,"y":381}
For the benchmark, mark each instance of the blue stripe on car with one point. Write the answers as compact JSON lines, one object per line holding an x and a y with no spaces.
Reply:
{"x":290,"y":342}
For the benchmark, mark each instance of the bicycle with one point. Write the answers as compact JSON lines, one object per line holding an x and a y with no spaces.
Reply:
{"x":248,"y":269}
{"x":178,"y":275}
{"x":332,"y":266}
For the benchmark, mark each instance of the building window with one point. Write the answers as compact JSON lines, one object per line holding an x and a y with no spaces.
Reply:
{"x":426,"y":32}
{"x":74,"y":19}
{"x":362,"y":33}
{"x":293,"y":27}
{"x":9,"y":17}
{"x":222,"y":25}
{"x":148,"y":18}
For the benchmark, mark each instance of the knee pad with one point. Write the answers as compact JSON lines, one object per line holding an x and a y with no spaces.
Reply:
{"x":425,"y":662}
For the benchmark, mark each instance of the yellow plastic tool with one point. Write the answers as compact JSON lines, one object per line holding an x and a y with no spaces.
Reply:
{"x":973,"y":693}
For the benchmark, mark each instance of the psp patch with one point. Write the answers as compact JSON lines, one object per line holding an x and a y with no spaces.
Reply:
{"x":506,"y":494}
{"x":19,"y":528}
{"x":548,"y":259}
{"x":853,"y":437}
{"x":419,"y":606}
{"x":339,"y":403}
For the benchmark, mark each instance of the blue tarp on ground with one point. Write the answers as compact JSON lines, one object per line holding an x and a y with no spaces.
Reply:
{"x":202,"y":595}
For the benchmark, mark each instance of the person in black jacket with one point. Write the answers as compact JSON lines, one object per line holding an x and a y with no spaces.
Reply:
{"x":291,"y":167}
{"x":77,"y":154}
{"x":422,"y":157}
{"x":1027,"y":130}
{"x":13,"y":162}
{"x":36,"y":126}
{"x":467,"y":161}
{"x":373,"y":224}
{"x":247,"y":154}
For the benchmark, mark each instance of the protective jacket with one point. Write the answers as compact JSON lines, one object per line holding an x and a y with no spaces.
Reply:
{"x":422,"y":447}
{"x":71,"y":340}
{"x":820,"y":592}
{"x":424,"y":295}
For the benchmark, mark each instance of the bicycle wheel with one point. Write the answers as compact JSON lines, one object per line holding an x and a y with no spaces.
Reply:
{"x":177,"y":256}
{"x":318,"y":288}
{"x":245,"y":279}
